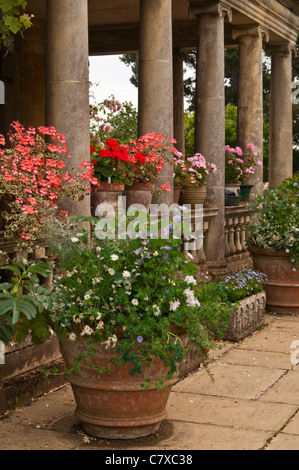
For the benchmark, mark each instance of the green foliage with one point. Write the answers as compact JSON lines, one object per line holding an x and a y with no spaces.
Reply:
{"x":277,"y":225}
{"x":23,"y":302}
{"x":243,"y":283}
{"x":124,"y":123}
{"x":12,"y":22}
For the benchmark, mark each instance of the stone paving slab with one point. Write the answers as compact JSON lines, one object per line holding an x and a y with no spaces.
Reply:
{"x":230,"y":380}
{"x":235,"y":413}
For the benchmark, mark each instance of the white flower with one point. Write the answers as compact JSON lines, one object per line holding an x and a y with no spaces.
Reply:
{"x":114,"y":257}
{"x":72,"y":336}
{"x":174,"y":305}
{"x":146,"y":298}
{"x":191,"y":300}
{"x":156,"y":310}
{"x":126,"y":274}
{"x":99,"y":316}
{"x":87,"y":331}
{"x":135,"y":302}
{"x":156,"y":253}
{"x":86,"y":296}
{"x":100,"y":325}
{"x":111,"y":271}
{"x":75,"y":239}
{"x":98,"y":249}
{"x":190,"y":280}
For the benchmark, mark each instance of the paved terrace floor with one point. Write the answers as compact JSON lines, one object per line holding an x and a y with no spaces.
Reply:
{"x":252,"y":403}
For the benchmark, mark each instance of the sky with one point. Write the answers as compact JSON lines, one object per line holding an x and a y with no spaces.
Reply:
{"x":113,"y":78}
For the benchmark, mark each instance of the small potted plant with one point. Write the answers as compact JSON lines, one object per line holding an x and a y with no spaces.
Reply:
{"x":112,"y":171}
{"x":274,"y":244}
{"x":233,"y":172}
{"x":147,"y":159}
{"x":248,"y":167}
{"x":119,"y":308}
{"x":192,"y":173}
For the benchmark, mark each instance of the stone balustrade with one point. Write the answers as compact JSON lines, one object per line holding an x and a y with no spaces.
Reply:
{"x":236,"y":253}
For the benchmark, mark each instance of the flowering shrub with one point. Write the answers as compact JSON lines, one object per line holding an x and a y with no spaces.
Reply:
{"x":239,"y":165}
{"x":100,"y":128}
{"x":193,"y":171}
{"x":277,"y":227}
{"x":244,"y":283}
{"x":33,"y":178}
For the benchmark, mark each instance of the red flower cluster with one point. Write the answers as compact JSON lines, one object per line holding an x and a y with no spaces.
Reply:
{"x":114,"y":151}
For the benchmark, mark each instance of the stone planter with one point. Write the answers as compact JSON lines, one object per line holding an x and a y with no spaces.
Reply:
{"x":246,"y":317}
{"x":107,"y":193}
{"x":193,"y":194}
{"x":282,"y":286}
{"x":113,"y":404}
{"x":139,"y":193}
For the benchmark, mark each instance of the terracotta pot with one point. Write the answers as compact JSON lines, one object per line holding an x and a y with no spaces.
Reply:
{"x":193,"y":194}
{"x":113,"y":404}
{"x":139,"y":193}
{"x":282,"y":286}
{"x":177,"y":194}
{"x":107,"y":193}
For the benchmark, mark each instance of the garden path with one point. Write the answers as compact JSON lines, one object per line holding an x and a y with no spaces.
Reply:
{"x":249,"y":400}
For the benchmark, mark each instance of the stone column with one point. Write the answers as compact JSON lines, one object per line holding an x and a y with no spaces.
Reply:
{"x":178,"y":98}
{"x":156,"y":77}
{"x":67,"y":83}
{"x":210,"y":117}
{"x":250,"y":106}
{"x":281,"y":115}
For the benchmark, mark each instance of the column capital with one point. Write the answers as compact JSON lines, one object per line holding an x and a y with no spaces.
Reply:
{"x":251,"y":30}
{"x":221,"y":9}
{"x":283,"y":48}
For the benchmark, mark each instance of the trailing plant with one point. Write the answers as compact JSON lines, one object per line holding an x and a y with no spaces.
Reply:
{"x":33,"y":177}
{"x":277,"y":225}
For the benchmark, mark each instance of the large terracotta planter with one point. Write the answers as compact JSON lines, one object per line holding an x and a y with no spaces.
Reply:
{"x":107,"y":193}
{"x":282,"y":286}
{"x":139,"y":193}
{"x":193,"y":194}
{"x":113,"y":404}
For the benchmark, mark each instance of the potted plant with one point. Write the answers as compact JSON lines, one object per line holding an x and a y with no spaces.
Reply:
{"x":273,"y":243}
{"x":244,"y":289}
{"x":192,"y":174}
{"x":118,"y":308}
{"x":111,"y":169}
{"x":248,"y":167}
{"x":233,"y":174}
{"x":33,"y":177}
{"x":147,"y":158}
